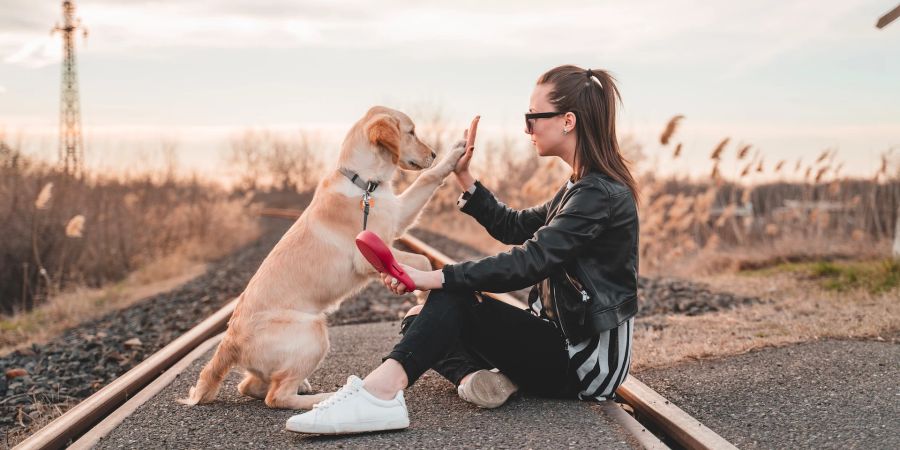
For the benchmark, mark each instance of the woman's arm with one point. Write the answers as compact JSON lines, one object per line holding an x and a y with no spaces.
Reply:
{"x":507,"y":225}
{"x":582,"y":218}
{"x":504,"y":224}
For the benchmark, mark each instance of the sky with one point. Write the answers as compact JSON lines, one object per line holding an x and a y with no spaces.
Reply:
{"x":791,"y":78}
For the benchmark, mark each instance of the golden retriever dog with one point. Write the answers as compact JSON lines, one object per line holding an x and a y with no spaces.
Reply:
{"x":277,"y":332}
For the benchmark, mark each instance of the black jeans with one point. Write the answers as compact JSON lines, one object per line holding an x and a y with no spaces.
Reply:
{"x":455,"y":335}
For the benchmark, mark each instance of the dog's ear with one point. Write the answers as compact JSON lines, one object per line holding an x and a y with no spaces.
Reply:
{"x":384,"y":131}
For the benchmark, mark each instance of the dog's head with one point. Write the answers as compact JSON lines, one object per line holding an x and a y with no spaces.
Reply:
{"x":394,"y":135}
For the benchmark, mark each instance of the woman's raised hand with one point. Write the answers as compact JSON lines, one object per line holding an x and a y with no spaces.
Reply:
{"x":463,"y":176}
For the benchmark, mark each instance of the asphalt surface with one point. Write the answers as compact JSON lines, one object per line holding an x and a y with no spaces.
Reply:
{"x":823,"y":394}
{"x":439,"y":418}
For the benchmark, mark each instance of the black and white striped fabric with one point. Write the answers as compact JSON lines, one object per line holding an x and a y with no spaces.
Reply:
{"x":602,"y":362}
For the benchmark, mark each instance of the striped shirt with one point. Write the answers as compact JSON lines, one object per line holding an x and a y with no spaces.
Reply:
{"x":601,"y":363}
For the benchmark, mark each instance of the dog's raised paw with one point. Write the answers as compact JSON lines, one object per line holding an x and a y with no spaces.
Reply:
{"x":448,"y":162}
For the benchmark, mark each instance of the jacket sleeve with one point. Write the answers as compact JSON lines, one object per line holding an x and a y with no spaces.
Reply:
{"x":505,"y":224}
{"x":581,"y":219}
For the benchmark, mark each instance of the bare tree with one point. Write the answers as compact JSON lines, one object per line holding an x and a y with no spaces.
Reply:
{"x":281,"y":160}
{"x":247,"y":156}
{"x":291,"y":162}
{"x":169,"y":152}
{"x":308,"y":165}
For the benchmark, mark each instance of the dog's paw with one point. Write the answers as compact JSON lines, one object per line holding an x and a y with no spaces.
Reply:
{"x":304,"y":388}
{"x":448,"y":162}
{"x":191,"y":400}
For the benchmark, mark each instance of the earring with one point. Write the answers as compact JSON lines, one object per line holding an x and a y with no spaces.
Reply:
{"x":565,"y":131}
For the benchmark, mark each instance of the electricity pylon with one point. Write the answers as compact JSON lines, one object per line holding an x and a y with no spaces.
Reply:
{"x":71,"y":144}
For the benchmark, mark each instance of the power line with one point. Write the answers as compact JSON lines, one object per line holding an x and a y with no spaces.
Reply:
{"x":888,"y":18}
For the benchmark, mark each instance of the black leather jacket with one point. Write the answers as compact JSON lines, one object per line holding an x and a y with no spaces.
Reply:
{"x":586,"y":235}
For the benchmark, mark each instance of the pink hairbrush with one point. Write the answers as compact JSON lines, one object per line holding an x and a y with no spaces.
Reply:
{"x":379,"y":255}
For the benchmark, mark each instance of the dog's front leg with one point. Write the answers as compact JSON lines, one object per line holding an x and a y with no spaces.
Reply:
{"x":414,"y":260}
{"x":414,"y":198}
{"x":362,"y":266}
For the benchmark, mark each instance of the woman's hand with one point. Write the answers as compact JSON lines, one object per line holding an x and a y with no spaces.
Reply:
{"x":463,"y":176}
{"x":425,"y":280}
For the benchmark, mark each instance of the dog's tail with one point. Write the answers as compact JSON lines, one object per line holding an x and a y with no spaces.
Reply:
{"x":212,"y":375}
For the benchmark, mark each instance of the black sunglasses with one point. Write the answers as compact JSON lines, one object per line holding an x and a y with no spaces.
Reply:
{"x":531,"y":117}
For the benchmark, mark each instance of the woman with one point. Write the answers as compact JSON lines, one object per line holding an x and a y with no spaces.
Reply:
{"x":579,"y":250}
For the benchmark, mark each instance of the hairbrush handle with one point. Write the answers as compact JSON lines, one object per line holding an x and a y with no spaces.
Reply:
{"x":379,"y":255}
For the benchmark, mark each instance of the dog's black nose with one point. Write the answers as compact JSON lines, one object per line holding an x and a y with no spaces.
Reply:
{"x":433,"y":155}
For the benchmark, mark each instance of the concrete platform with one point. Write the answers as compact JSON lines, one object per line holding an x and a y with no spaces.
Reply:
{"x":438,"y":417}
{"x":825,"y":394}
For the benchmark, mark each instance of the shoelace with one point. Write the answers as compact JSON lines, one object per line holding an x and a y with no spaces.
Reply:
{"x":341,"y":394}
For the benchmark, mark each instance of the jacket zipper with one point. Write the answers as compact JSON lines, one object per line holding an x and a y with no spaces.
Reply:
{"x":556,"y":308}
{"x":584,"y":295}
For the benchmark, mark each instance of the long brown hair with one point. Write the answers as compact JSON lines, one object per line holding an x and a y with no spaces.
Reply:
{"x":591,"y":94}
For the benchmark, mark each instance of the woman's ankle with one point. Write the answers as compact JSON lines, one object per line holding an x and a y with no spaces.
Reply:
{"x":386,"y":380}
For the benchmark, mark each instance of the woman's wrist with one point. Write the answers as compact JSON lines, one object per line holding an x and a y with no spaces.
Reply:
{"x":465,"y":180}
{"x":436,"y":279}
{"x":439,"y":279}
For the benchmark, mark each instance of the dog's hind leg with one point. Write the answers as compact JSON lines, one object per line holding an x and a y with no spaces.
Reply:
{"x":283,"y":394}
{"x":252,"y":386}
{"x":213,"y":373}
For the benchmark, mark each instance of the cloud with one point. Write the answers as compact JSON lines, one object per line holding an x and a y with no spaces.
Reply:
{"x":462,"y":26}
{"x":36,"y":53}
{"x":781,"y":33}
{"x":740,"y":35}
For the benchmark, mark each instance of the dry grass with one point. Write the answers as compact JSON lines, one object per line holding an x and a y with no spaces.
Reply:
{"x":800,"y":310}
{"x":81,"y":304}
{"x":62,"y":233}
{"x":45,"y":411}
{"x":78,"y":248}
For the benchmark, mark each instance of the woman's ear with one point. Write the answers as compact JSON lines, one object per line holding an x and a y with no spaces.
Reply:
{"x":384,"y":131}
{"x":570,"y":121}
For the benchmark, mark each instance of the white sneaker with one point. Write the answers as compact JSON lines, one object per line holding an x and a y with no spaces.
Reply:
{"x":352,"y":409}
{"x":487,"y":389}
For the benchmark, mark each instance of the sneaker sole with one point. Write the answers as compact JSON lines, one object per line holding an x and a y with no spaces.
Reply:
{"x":490,"y":390}
{"x":348,"y":428}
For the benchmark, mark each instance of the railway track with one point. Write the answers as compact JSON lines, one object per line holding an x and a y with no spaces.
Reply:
{"x":85,"y":424}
